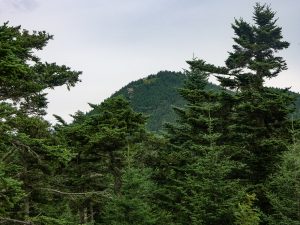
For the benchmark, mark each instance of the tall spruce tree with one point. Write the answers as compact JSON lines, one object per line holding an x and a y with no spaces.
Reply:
{"x":259,"y":127}
{"x":196,"y":187}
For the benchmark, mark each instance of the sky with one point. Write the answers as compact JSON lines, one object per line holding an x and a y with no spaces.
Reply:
{"x":114,"y":42}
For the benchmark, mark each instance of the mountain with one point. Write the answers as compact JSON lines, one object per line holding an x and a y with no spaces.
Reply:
{"x":156,"y":95}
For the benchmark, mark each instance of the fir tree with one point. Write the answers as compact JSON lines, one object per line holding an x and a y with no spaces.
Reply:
{"x":133,"y":205}
{"x":100,"y":141}
{"x":259,"y":119}
{"x":196,"y":187}
{"x":24,"y":77}
{"x":28,"y":152}
{"x":284,"y":189}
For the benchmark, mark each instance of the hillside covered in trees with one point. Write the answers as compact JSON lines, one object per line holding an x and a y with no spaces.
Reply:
{"x":157,"y":95}
{"x":231,"y":157}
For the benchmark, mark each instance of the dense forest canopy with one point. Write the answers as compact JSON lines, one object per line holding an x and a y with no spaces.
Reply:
{"x":228,"y":155}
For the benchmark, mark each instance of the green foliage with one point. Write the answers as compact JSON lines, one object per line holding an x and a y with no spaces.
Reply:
{"x":23,"y":76}
{"x":104,"y":168}
{"x":136,"y":202}
{"x":246,"y":214}
{"x":29,"y":153}
{"x":11,"y":192}
{"x":133,"y":204}
{"x":212,"y":197}
{"x":30,"y":156}
{"x":154,"y":96}
{"x":260,"y":118}
{"x":100,"y":141}
{"x":253,"y":58}
{"x":194,"y":179}
{"x":157,"y":94}
{"x":284,"y":189}
{"x":258,"y":125}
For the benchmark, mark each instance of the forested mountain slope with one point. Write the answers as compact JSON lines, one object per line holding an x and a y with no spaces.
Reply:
{"x":156,"y":95}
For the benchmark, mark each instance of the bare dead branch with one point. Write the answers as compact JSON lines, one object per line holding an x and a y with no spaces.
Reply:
{"x":9,"y":220}
{"x":75,"y":193}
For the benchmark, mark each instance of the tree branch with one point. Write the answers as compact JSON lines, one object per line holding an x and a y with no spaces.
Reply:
{"x":73,"y":193}
{"x":7,"y":220}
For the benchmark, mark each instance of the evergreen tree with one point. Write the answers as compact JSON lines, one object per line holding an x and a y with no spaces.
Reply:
{"x":246,"y":214}
{"x":29,"y":156}
{"x":136,"y":202}
{"x":28,"y":152}
{"x":284,"y":189}
{"x":196,"y":188}
{"x":100,"y":142}
{"x":133,"y":205}
{"x":24,"y":77}
{"x":259,"y":119}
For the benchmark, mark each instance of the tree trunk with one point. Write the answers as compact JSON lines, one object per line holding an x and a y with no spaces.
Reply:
{"x":81,"y":215}
{"x":27,"y":199}
{"x":85,"y":215}
{"x":91,"y":213}
{"x":26,"y":207}
{"x":114,"y":164}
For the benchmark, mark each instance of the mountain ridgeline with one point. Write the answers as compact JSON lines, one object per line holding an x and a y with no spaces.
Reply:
{"x":157,"y":95}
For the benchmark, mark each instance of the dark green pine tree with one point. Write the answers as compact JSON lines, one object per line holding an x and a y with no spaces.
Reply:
{"x":134,"y":202}
{"x":261,"y":116}
{"x":260,"y":125}
{"x":102,"y":141}
{"x":134,"y":205}
{"x":24,"y":77}
{"x":284,"y":189}
{"x":84,"y":181}
{"x":196,"y":165}
{"x":28,"y":152}
{"x":11,"y":193}
{"x":29,"y":159}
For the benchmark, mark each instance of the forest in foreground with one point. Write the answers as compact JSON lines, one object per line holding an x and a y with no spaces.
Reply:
{"x":231,"y":157}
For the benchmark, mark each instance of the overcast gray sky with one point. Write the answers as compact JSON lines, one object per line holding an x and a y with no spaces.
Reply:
{"x":117,"y":41}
